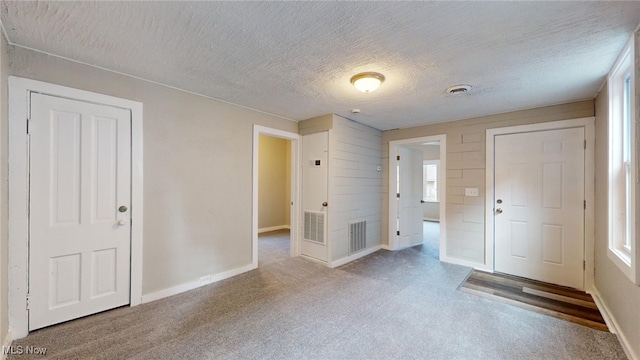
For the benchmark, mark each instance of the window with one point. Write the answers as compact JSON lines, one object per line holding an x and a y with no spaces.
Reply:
{"x":430,"y":178}
{"x":622,"y":170}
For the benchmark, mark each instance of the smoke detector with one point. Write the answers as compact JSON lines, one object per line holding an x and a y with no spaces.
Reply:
{"x":458,"y":89}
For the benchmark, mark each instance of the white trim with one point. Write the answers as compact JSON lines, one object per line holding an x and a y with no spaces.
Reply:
{"x":442,"y":184}
{"x":612,"y":324}
{"x":174,"y":290}
{"x":273,"y":228}
{"x":589,"y":185}
{"x":19,"y":90}
{"x":295,"y":186}
{"x":467,"y":263}
{"x":386,"y":247}
{"x":356,"y":256}
{"x":625,"y":260}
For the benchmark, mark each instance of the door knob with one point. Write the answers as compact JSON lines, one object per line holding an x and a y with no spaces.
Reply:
{"x":122,"y":208}
{"x":122,"y":223}
{"x":325,"y":204}
{"x":499,"y":201}
{"x":498,"y":211}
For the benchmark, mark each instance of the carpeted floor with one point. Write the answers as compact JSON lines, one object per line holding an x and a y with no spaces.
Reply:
{"x":389,"y":305}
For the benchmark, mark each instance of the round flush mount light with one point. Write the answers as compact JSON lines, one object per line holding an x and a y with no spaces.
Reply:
{"x":367,"y":81}
{"x":458,"y":89}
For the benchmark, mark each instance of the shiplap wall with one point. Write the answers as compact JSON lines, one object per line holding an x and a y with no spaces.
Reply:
{"x":355,"y":184}
{"x":466,"y":168}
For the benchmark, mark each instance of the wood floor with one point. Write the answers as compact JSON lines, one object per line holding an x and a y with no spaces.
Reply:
{"x":561,"y":302}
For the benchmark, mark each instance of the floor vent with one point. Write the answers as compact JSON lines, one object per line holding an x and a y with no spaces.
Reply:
{"x":357,"y":236}
{"x":314,"y":226}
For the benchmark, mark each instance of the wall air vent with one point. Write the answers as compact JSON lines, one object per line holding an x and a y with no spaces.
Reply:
{"x":314,"y":226}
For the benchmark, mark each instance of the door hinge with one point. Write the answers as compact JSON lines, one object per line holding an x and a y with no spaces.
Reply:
{"x":398,"y":195}
{"x":398,"y":232}
{"x":28,"y":125}
{"x":398,"y":157}
{"x":584,"y":265}
{"x":585,"y":205}
{"x":28,"y":301}
{"x":585,"y":144}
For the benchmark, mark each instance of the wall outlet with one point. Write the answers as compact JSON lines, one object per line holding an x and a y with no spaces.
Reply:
{"x":470,"y":191}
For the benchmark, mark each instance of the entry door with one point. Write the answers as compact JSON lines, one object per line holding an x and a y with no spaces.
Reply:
{"x":315,"y":149}
{"x":79,"y":222}
{"x":410,"y":184}
{"x":539,"y":205}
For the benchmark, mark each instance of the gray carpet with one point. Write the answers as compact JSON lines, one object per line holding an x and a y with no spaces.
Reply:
{"x":389,"y":305}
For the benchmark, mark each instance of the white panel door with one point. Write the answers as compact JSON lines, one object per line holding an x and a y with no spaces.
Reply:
{"x":315,"y":148}
{"x":410,"y":199}
{"x":79,"y":222}
{"x":539,"y":202}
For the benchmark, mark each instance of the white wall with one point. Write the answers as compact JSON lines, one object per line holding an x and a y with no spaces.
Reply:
{"x":197,"y":170}
{"x":620,"y":296}
{"x":466,"y":168}
{"x":274,"y":181}
{"x":355,"y":184}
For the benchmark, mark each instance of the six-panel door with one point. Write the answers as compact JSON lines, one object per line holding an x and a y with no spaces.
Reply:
{"x":79,"y":222}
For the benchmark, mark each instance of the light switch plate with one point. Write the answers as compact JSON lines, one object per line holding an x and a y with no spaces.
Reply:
{"x":470,"y":191}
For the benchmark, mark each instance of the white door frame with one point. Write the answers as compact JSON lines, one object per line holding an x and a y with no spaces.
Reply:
{"x":294,"y":247}
{"x":18,"y":252}
{"x":589,"y":185}
{"x":442,"y":177}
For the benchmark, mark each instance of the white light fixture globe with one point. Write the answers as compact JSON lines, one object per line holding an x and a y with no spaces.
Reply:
{"x":367,"y":81}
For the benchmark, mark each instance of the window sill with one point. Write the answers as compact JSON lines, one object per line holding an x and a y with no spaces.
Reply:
{"x":623,"y":261}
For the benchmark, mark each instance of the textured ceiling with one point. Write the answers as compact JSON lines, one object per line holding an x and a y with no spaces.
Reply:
{"x":295,"y":59}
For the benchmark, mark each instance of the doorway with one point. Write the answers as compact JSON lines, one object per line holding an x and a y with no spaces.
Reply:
{"x":540,"y":202}
{"x":275,"y":201}
{"x":417,"y":195}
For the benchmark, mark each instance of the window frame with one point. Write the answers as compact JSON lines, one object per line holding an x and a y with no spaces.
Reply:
{"x":622,"y":166}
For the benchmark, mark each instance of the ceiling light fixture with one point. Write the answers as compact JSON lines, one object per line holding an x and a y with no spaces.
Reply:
{"x":367,"y":81}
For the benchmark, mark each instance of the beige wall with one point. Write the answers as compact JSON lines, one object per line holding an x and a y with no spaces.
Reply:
{"x":619,"y":294}
{"x":465,"y":167}
{"x":4,"y":198}
{"x":197,"y":170}
{"x":274,"y":193}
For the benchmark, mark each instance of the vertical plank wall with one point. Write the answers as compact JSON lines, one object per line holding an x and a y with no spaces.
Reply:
{"x":465,"y":167}
{"x":355,"y":184}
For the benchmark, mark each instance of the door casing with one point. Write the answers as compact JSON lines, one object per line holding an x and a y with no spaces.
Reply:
{"x":589,"y":126}
{"x":294,"y":247}
{"x":18,"y":254}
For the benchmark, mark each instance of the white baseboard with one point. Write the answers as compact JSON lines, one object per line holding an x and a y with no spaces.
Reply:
{"x":355,"y":256}
{"x":204,"y":280}
{"x":274,"y":228}
{"x":386,"y":247}
{"x":477,"y":266}
{"x":6,"y":343}
{"x":613,"y":326}
{"x":431,"y":219}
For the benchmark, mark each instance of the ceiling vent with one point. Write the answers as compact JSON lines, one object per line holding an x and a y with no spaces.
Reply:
{"x":458,"y":89}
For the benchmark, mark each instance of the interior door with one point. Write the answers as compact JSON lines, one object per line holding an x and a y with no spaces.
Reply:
{"x":79,"y":223}
{"x":315,"y":148}
{"x":410,"y":185}
{"x":539,"y":205}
